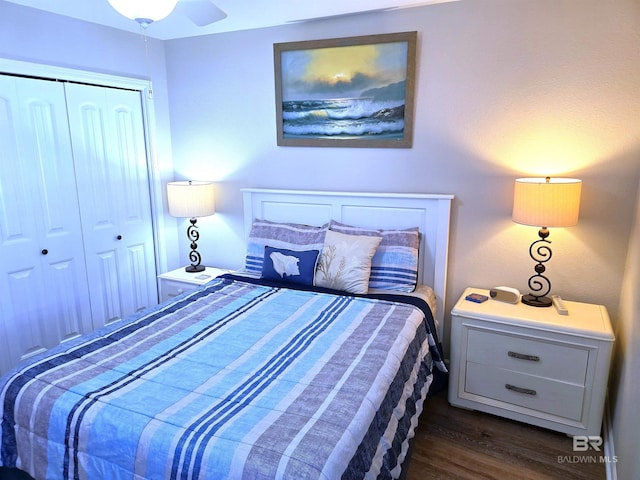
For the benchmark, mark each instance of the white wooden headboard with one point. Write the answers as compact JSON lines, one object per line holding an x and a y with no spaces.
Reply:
{"x":429,"y":212}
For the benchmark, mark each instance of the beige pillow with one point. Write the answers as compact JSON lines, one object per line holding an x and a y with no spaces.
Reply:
{"x":345,"y":262}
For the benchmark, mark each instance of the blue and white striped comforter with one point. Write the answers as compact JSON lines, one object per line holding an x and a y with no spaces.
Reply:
{"x":233,"y":380}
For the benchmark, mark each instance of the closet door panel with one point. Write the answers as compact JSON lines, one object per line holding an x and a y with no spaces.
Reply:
{"x":26,"y":330}
{"x":113,"y":190}
{"x":17,"y":222}
{"x":137,"y":262}
{"x":20,"y":278}
{"x":106,"y":295}
{"x":43,"y":284}
{"x":72,"y":311}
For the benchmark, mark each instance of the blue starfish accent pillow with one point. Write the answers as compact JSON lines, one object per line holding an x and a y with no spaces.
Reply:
{"x":290,"y":265}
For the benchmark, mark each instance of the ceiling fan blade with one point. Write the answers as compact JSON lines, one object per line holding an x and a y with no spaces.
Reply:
{"x":201,"y":12}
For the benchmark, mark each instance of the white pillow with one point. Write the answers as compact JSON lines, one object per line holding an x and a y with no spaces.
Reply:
{"x":345,"y":262}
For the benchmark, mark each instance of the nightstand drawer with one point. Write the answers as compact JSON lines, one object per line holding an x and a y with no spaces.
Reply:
{"x":172,"y":288}
{"x":530,"y":356}
{"x":536,"y":393}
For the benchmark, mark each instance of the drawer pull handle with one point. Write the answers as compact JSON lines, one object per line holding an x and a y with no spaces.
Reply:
{"x":523,"y":356}
{"x":526,"y":391}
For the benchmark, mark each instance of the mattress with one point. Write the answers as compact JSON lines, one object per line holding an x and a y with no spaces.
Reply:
{"x":237,"y":379}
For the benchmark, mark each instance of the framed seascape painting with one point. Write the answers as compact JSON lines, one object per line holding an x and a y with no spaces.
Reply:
{"x":346,"y":92}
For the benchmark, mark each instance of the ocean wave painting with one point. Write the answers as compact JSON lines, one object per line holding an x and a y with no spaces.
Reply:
{"x":346,"y":92}
{"x":350,"y":118}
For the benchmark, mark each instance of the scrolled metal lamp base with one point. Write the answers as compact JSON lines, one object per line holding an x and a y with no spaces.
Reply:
{"x":540,"y":285}
{"x":194,"y":256}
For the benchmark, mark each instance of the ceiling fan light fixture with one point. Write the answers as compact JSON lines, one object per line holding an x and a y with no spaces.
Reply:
{"x":144,"y":11}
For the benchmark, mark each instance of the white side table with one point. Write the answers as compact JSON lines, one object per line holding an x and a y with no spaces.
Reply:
{"x":531,"y":364}
{"x":178,"y":281}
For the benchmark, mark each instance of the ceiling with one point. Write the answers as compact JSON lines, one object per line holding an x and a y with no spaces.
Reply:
{"x":241,"y":14}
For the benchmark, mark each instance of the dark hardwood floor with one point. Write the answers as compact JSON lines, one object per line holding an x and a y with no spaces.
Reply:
{"x":456,"y":444}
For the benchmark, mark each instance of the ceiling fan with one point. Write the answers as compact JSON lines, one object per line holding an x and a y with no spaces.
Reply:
{"x":200,"y":12}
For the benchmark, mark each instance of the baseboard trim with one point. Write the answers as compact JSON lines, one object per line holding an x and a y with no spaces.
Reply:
{"x":609,"y":449}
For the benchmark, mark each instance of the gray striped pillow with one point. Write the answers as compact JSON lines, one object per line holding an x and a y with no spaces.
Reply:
{"x":290,"y":236}
{"x":395,"y":263}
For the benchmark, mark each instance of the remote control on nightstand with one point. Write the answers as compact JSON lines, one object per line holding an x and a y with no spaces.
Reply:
{"x":559,"y":304}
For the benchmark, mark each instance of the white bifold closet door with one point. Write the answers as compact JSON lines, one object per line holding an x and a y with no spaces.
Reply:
{"x":107,"y":136}
{"x":76,"y":234}
{"x":44,"y":289}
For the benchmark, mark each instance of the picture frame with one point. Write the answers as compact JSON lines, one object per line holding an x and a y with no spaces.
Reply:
{"x":346,"y":92}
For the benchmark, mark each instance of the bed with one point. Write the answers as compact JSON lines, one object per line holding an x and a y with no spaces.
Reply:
{"x":271,"y":372}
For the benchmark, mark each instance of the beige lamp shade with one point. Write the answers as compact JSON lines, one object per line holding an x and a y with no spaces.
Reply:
{"x":191,"y":199}
{"x":144,"y":11}
{"x":547,"y":202}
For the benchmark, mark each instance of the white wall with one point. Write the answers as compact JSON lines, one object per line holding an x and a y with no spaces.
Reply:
{"x":625,"y":391}
{"x":505,"y":89}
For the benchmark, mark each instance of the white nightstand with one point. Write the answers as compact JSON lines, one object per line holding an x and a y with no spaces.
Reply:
{"x":178,"y":281}
{"x":530,"y":363}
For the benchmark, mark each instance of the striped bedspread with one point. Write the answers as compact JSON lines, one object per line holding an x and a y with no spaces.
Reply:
{"x":233,"y":380}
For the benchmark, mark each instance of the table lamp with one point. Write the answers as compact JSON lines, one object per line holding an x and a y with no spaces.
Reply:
{"x":544,"y":202}
{"x":192,"y":199}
